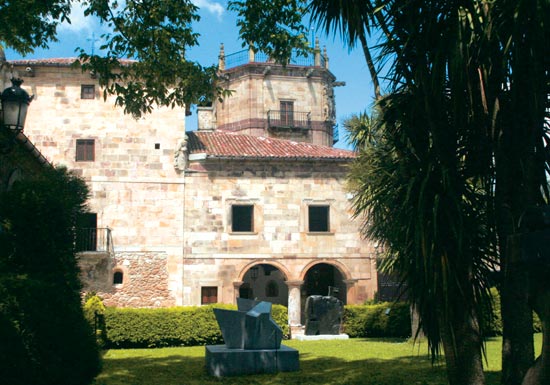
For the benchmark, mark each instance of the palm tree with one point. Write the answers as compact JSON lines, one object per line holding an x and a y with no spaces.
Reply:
{"x":430,"y":213}
{"x":353,"y":20}
{"x":457,"y":157}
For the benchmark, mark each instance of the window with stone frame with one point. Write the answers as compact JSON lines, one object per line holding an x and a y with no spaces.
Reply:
{"x":87,"y":91}
{"x":85,"y":150}
{"x":287,"y":112}
{"x":319,"y":218}
{"x":209,"y":295}
{"x":118,"y":277}
{"x":242,"y":218}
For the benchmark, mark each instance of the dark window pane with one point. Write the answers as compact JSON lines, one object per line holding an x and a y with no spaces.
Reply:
{"x":85,"y":150}
{"x":287,"y":113}
{"x":242,"y":218}
{"x":318,"y":218}
{"x":118,"y":277}
{"x":209,"y":294}
{"x":87,"y":91}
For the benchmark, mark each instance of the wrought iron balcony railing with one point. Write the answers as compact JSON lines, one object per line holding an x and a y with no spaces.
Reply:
{"x":292,"y":120}
{"x":94,"y":239}
{"x":243,"y":57}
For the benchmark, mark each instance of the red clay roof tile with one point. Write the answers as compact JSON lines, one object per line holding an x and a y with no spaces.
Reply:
{"x":230,"y":145}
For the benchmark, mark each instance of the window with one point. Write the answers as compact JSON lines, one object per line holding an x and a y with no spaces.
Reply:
{"x":118,"y":277}
{"x":242,"y":218}
{"x":209,"y":294}
{"x":318,"y":218}
{"x":287,"y":113}
{"x":87,"y":91}
{"x":85,"y":149}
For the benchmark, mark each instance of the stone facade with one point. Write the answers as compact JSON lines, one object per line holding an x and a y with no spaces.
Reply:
{"x":135,"y":190}
{"x":166,"y":201}
{"x":280,"y":193}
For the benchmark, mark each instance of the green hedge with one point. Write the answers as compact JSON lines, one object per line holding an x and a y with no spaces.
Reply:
{"x":380,"y":320}
{"x":179,"y":326}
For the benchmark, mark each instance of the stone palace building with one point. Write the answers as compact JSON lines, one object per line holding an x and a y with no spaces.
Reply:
{"x":252,"y":204}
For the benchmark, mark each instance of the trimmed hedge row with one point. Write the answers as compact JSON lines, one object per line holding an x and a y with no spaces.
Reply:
{"x":180,"y":326}
{"x":381,"y":320}
{"x":188,"y":326}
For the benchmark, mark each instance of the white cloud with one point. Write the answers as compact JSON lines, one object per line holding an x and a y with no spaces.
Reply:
{"x":80,"y":24}
{"x":215,"y":8}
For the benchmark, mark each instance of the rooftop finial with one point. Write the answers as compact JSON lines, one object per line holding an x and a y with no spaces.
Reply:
{"x":221,"y":58}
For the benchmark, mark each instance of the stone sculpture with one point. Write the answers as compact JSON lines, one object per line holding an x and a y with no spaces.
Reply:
{"x":323,"y":315}
{"x":252,"y":342}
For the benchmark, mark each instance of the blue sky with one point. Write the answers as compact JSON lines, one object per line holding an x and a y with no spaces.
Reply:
{"x":217,"y":25}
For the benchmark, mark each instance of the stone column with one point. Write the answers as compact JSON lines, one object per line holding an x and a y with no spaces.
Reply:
{"x":236,"y":286}
{"x":294,"y":302}
{"x":350,"y":291}
{"x":251,"y":55}
{"x":221,"y":58}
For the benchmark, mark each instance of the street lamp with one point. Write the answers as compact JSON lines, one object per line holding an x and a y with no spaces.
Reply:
{"x":15,"y":102}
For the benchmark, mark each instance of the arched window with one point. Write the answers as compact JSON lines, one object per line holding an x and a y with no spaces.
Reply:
{"x":272,"y":289}
{"x":118,"y":277}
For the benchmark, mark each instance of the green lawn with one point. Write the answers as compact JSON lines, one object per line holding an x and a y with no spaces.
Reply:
{"x":354,"y":361}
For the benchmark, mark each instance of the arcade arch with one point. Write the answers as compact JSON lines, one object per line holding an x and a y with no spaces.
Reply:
{"x":264,"y":282}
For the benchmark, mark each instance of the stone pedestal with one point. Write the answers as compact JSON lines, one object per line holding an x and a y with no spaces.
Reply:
{"x":221,"y":361}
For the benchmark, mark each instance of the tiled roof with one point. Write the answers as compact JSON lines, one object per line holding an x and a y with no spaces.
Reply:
{"x":231,"y":145}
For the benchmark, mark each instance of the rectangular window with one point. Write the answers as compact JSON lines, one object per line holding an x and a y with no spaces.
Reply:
{"x":209,"y":294}
{"x":319,"y":218}
{"x":242,"y":218}
{"x":287,"y":113}
{"x":85,"y":150}
{"x":87,"y":91}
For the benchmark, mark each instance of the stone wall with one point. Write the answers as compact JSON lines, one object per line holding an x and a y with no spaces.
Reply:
{"x":256,"y":92}
{"x":135,"y":189}
{"x":144,"y":284}
{"x":280,"y":193}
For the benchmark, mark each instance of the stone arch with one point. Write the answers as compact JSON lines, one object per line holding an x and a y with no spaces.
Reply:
{"x":264,"y":281}
{"x":340,"y":266}
{"x":278,"y":265}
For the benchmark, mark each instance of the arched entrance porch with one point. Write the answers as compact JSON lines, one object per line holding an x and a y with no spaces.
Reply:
{"x":264,"y":282}
{"x":323,"y":279}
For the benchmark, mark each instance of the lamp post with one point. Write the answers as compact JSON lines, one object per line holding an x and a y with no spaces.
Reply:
{"x":15,"y":102}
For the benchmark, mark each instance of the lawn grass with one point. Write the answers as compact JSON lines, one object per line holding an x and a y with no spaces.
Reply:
{"x":354,"y":361}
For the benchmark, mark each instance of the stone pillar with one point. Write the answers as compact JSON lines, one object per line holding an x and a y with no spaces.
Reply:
{"x":317,"y":51}
{"x":294,"y":302}
{"x":221,"y":59}
{"x":325,"y":56}
{"x":251,"y":55}
{"x":236,"y":286}
{"x":350,"y":291}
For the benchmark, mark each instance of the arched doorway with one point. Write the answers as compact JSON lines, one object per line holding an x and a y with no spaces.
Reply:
{"x":323,"y":279}
{"x":265,"y":282}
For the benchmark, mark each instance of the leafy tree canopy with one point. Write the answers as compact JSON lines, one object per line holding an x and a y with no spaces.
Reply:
{"x":144,"y":61}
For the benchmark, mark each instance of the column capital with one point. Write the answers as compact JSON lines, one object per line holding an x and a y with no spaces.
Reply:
{"x":296,"y":283}
{"x":350,"y":282}
{"x":237,"y":284}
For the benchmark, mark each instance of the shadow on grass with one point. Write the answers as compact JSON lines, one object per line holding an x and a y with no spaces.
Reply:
{"x":184,"y":370}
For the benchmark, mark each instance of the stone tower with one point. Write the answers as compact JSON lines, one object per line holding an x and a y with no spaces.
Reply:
{"x":294,"y":102}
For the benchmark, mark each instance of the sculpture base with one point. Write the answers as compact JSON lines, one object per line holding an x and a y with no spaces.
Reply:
{"x":221,"y":361}
{"x":323,"y":337}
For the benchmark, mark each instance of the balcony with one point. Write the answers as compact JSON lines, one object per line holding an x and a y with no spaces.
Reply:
{"x":288,"y":120}
{"x":97,"y":240}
